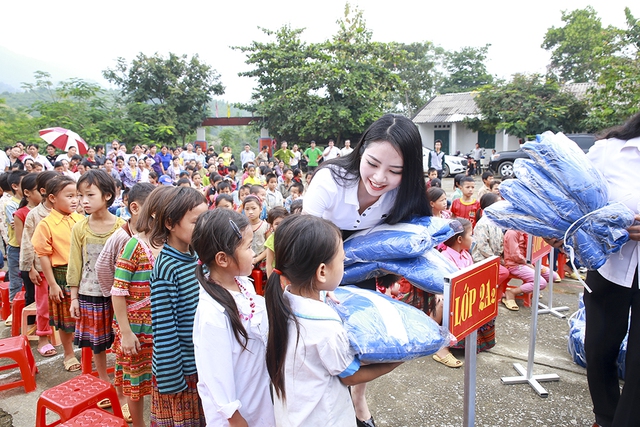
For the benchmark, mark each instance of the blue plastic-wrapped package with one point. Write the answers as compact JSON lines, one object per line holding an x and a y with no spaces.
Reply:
{"x":382,"y":330}
{"x":559,"y":194}
{"x":426,"y":271}
{"x":567,"y":165}
{"x":577,"y":327}
{"x":391,"y":241}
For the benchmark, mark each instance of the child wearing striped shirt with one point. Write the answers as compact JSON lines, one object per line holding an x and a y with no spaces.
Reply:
{"x":174,"y":299}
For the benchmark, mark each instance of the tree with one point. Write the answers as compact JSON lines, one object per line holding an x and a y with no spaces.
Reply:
{"x":526,"y":106}
{"x":418,"y":73}
{"x":580,"y":46}
{"x":168,"y":94}
{"x":16,"y":124}
{"x":616,"y":97}
{"x":321,"y":90}
{"x":466,"y":70}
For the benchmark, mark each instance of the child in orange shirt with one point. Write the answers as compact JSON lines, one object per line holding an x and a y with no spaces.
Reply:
{"x":466,"y":207}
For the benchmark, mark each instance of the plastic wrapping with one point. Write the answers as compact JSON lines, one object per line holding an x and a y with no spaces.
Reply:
{"x":426,"y":271}
{"x":577,"y":327}
{"x":392,"y":241}
{"x":381,"y":329}
{"x":559,"y":194}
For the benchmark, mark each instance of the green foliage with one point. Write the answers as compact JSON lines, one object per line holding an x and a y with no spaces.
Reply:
{"x":170,"y":95}
{"x":580,"y":46}
{"x":15,"y":124}
{"x":320,"y":90}
{"x":617,"y":94}
{"x":418,"y":73}
{"x":526,"y":106}
{"x":466,"y":70}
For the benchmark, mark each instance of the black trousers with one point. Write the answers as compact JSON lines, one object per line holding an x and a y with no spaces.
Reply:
{"x":607,"y":312}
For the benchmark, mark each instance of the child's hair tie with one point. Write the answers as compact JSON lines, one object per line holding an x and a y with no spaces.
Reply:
{"x":278,"y":272}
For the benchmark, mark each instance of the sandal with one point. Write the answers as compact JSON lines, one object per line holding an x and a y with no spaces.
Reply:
{"x":47,"y":350}
{"x":126,"y":414}
{"x":8,"y":321}
{"x":510,"y":304}
{"x":72,"y":365}
{"x":449,"y":360}
{"x":104,"y":404}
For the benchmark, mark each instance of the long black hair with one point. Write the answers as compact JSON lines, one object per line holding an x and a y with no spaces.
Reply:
{"x":298,"y":261}
{"x":220,"y":230}
{"x":403,"y":135}
{"x":629,"y":130}
{"x":28,"y":183}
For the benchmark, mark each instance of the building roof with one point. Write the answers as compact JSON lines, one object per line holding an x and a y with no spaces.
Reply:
{"x":579,"y":90}
{"x":448,"y":108}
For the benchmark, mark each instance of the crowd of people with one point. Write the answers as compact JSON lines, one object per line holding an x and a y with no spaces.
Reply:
{"x":150,"y":254}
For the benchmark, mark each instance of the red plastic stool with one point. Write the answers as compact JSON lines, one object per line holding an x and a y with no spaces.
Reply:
{"x":73,"y":397}
{"x":87,"y":359}
{"x":16,"y":313}
{"x":95,"y":418}
{"x":5,"y":312}
{"x":18,"y":349}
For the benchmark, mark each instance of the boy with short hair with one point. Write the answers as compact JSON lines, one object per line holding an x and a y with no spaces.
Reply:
{"x":295,"y":193}
{"x":487,"y":178}
{"x":431,"y":174}
{"x":273,"y":197}
{"x":466,"y":206}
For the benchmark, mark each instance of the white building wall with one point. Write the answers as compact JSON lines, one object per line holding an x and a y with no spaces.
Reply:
{"x":465,"y":138}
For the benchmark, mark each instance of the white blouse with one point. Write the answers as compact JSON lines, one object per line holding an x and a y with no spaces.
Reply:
{"x":315,"y":396}
{"x":229,"y":378}
{"x":327,"y":199}
{"x":619,"y":163}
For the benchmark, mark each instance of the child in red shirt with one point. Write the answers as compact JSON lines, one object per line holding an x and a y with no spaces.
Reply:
{"x":466,"y":207}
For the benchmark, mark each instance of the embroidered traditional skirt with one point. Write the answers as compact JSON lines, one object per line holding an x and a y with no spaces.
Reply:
{"x":59,"y":312}
{"x":94,"y":327}
{"x":182,"y":409}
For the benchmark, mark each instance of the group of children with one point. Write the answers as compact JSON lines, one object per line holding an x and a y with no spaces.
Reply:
{"x":475,"y":239}
{"x":132,"y":286}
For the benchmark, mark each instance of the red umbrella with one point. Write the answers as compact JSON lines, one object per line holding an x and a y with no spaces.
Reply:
{"x":64,"y":139}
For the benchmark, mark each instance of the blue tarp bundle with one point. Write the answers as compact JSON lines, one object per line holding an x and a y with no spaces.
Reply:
{"x":576,"y":340}
{"x":556,"y":188}
{"x":381,"y":329}
{"x":405,"y":249}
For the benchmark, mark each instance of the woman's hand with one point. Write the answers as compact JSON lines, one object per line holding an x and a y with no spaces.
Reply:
{"x":634,"y":230}
{"x":556,"y":243}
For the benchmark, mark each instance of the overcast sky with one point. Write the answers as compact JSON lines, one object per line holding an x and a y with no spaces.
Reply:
{"x":86,"y":37}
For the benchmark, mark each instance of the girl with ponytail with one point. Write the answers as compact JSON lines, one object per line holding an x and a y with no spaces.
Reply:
{"x":309,"y":358}
{"x":230,"y":326}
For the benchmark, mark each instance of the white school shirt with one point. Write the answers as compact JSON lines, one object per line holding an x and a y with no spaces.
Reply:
{"x":327,"y":199}
{"x":619,"y":163}
{"x":315,"y":396}
{"x":229,"y":378}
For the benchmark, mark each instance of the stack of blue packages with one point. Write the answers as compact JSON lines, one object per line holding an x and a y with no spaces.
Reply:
{"x":405,"y":249}
{"x":381,"y":329}
{"x":558,"y":192}
{"x":577,"y":327}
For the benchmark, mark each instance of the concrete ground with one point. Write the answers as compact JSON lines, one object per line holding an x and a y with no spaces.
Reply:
{"x":425,"y":393}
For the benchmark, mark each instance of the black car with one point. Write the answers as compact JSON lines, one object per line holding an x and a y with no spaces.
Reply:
{"x":502,"y":163}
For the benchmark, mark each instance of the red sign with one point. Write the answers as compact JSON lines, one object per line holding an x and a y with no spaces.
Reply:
{"x":537,"y":248}
{"x":472,"y":300}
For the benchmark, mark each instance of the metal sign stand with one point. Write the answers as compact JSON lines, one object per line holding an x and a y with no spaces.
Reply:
{"x":550,"y":308}
{"x":470,"y":365}
{"x":527,"y":376}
